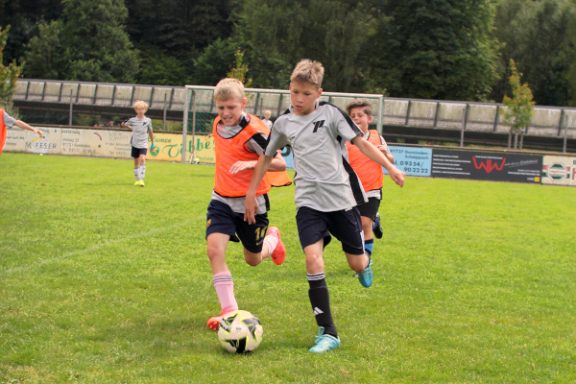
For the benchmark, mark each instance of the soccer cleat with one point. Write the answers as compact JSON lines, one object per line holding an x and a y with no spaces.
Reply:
{"x":214,"y":321}
{"x":137,"y":183}
{"x":324,"y":342}
{"x":142,"y":183}
{"x":377,"y":227}
{"x":365,"y":277}
{"x":279,"y":253}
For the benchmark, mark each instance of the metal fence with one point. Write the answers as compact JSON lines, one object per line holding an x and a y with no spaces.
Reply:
{"x":550,"y":122}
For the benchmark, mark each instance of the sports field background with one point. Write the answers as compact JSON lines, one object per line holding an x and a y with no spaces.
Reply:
{"x":103,"y":282}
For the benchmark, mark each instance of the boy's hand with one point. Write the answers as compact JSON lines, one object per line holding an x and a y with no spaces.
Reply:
{"x":39,"y":133}
{"x":250,"y":209}
{"x":397,"y":176}
{"x":241,"y":166}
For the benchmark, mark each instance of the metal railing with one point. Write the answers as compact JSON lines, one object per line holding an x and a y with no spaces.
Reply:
{"x":552,"y":122}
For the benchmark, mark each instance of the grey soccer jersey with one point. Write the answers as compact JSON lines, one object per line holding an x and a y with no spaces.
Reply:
{"x":140,"y":129}
{"x":324,"y":179}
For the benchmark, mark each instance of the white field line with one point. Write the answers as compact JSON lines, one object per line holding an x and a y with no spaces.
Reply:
{"x":90,"y":249}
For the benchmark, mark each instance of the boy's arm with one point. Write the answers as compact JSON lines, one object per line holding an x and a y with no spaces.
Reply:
{"x":28,"y":127}
{"x":151,"y":135}
{"x":250,"y":202}
{"x":374,"y":154}
{"x":277,"y":164}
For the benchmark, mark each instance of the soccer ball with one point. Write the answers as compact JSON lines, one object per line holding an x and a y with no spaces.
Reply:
{"x":240,"y":332}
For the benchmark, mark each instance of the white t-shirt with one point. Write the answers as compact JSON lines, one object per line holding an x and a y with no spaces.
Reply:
{"x":140,"y":129}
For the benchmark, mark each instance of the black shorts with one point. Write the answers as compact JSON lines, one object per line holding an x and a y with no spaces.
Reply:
{"x":370,"y":208}
{"x":221,"y":219}
{"x":136,"y":152}
{"x":346,"y":226}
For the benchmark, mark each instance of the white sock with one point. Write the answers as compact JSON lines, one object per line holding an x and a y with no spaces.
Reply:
{"x":137,"y":173}
{"x":142,"y":172}
{"x":270,"y":242}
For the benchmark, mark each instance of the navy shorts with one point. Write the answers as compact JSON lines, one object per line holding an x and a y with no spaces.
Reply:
{"x":222,"y":219}
{"x":370,"y":208}
{"x":136,"y":152}
{"x":345,"y":225}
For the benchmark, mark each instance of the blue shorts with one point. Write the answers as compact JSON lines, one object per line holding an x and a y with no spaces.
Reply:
{"x":345,"y":225}
{"x":136,"y":152}
{"x":221,"y":219}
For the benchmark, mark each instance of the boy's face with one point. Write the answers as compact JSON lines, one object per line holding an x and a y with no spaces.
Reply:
{"x":360,"y":118}
{"x":230,"y":110}
{"x":303,"y":97}
{"x":140,"y":111}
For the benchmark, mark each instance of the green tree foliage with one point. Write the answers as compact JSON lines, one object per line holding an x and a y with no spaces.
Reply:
{"x":8,"y":73}
{"x":520,"y":106}
{"x":44,"y":57}
{"x":214,"y":62}
{"x":277,"y":33}
{"x":240,"y":69}
{"x":92,"y":44}
{"x":436,"y":49}
{"x":24,"y":16}
{"x":540,"y":36}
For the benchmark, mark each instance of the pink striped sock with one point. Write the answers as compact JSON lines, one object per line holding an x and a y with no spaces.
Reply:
{"x":224,"y":287}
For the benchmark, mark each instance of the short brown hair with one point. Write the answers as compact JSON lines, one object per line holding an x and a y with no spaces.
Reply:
{"x":360,"y":103}
{"x":308,"y":71}
{"x":229,"y":88}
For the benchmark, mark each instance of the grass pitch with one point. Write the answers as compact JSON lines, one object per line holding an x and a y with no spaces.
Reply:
{"x":103,"y":282}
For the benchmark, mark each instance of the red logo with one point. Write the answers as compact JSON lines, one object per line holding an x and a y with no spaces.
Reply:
{"x":488,"y":165}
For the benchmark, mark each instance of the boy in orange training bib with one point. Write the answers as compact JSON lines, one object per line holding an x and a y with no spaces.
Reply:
{"x":239,"y":138}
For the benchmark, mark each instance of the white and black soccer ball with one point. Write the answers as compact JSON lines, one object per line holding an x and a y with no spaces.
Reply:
{"x":240,"y":332}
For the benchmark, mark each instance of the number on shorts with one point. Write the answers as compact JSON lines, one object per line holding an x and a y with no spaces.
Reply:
{"x":260,"y":233}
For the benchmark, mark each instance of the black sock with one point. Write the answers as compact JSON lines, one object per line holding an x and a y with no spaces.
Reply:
{"x":320,"y":300}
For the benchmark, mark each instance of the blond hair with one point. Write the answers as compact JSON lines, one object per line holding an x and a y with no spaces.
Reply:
{"x":360,"y":103}
{"x":229,"y":88}
{"x":140,"y":104}
{"x":308,"y":71}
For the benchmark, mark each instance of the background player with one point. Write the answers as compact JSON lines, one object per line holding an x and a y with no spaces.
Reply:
{"x":141,"y":127}
{"x":327,"y":190}
{"x":7,"y":122}
{"x":369,"y":172}
{"x":239,"y":139}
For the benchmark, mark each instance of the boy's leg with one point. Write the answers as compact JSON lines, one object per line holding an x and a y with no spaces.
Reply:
{"x":142,"y":163}
{"x":260,"y":242}
{"x":346,"y":226}
{"x":136,"y":165}
{"x":220,"y":223}
{"x":368,"y":212}
{"x":368,"y":236}
{"x":312,"y":229}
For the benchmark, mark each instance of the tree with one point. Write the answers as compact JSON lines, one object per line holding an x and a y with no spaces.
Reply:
{"x":520,"y":107}
{"x":8,"y":73}
{"x":540,"y":35}
{"x":275,"y":34}
{"x":92,"y":42}
{"x":240,"y":69}
{"x":440,"y":49}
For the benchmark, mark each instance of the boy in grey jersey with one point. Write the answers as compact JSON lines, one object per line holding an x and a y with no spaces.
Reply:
{"x":327,"y":189}
{"x":141,"y":127}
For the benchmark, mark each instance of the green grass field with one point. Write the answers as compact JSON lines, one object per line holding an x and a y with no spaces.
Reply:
{"x":103,"y":282}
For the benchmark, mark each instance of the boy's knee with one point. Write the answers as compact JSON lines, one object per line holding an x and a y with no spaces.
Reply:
{"x":252,"y":259}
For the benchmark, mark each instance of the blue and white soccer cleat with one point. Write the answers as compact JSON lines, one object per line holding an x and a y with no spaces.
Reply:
{"x":366,"y":276}
{"x":324,"y":342}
